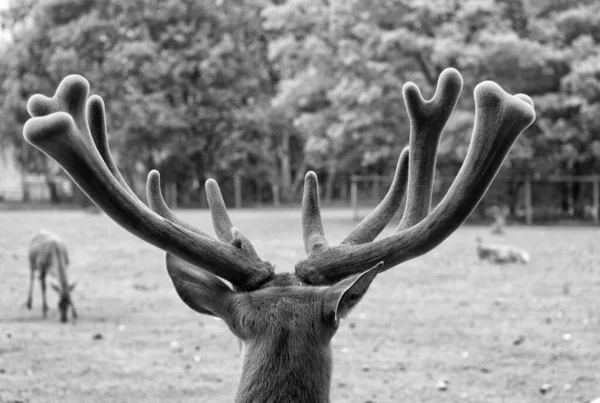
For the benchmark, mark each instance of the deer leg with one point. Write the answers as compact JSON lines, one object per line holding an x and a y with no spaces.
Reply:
{"x":44,"y":301}
{"x":73,"y":311}
{"x":29,"y":301}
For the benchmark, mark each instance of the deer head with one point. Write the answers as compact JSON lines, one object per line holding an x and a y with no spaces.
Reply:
{"x":287,"y":320}
{"x":64,"y":301}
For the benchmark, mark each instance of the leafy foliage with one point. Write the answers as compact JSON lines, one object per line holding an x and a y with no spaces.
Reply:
{"x":270,"y":89}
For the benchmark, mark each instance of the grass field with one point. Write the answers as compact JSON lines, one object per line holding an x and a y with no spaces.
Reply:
{"x":496,"y":333}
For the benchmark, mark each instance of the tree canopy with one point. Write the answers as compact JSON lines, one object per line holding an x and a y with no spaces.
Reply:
{"x":269,"y":89}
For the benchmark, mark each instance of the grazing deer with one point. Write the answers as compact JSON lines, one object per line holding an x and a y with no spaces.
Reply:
{"x":286,"y":320}
{"x":48,"y":255}
{"x":501,"y":254}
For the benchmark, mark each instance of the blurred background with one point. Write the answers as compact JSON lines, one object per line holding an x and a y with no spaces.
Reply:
{"x":254,"y":93}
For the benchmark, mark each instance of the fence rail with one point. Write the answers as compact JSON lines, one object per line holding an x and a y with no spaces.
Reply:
{"x":593,"y":208}
{"x":531,"y":199}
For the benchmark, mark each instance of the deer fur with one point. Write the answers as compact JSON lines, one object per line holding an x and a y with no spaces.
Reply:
{"x":285,"y":328}
{"x":48,"y":255}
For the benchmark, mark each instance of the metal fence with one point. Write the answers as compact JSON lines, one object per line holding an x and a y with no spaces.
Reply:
{"x":530,"y":200}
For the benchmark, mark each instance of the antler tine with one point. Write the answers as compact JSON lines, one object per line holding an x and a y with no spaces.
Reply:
{"x":97,"y":126}
{"x":312,"y":228}
{"x":372,"y":225}
{"x":220,"y":218}
{"x":427,"y":120}
{"x":180,"y":271}
{"x":157,"y":203}
{"x":499,"y":120}
{"x":224,"y":229}
{"x":60,"y":129}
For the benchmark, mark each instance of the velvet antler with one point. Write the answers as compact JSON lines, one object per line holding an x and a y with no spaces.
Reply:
{"x":71,"y":129}
{"x":61,"y":128}
{"x":499,"y":119}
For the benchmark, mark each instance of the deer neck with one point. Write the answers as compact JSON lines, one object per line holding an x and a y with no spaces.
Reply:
{"x":283,"y":371}
{"x":59,"y":263}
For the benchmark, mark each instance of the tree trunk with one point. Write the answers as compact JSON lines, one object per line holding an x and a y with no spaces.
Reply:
{"x":513,"y":196}
{"x":344,"y":188}
{"x":285,"y":164}
{"x":578,"y":191}
{"x":80,"y":198}
{"x":275,"y":192}
{"x":237,"y":190}
{"x":202,"y":194}
{"x":299,"y":179}
{"x":331,"y":171}
{"x":52,"y":188}
{"x":26,"y":196}
{"x":201,"y":175}
{"x":568,"y":201}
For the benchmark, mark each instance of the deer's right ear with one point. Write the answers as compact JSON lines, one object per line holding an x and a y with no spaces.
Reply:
{"x":340,"y":298}
{"x":200,"y":290}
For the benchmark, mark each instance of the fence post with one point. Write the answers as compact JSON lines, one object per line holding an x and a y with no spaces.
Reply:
{"x":354,"y":197}
{"x":343,"y":190}
{"x":237,"y":190}
{"x":596,"y":202}
{"x":528,"y":203}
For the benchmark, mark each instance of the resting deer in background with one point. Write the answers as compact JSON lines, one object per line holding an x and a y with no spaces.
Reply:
{"x":48,"y":255}
{"x":286,"y":320}
{"x":501,"y":254}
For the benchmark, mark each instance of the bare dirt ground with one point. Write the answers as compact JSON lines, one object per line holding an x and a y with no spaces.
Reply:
{"x":496,"y":333}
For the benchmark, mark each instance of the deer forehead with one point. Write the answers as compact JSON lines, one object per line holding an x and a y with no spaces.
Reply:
{"x":277,"y":305}
{"x":293,"y":312}
{"x":281,"y":298}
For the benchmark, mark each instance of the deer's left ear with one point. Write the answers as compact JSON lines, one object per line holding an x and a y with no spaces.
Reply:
{"x":340,"y":298}
{"x":55,"y":287}
{"x":202,"y":291}
{"x":72,"y":286}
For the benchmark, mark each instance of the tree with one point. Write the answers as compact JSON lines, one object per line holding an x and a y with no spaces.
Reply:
{"x":272,"y":89}
{"x":175,"y":77}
